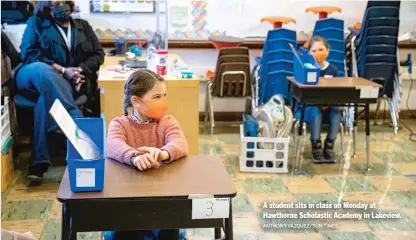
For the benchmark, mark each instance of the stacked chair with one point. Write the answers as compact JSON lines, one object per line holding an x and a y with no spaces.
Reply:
{"x":232,"y":79}
{"x":374,"y":52}
{"x":333,"y":31}
{"x":276,"y":63}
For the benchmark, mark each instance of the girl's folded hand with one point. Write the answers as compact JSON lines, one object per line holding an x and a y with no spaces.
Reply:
{"x":145,"y":162}
{"x":158,"y":154}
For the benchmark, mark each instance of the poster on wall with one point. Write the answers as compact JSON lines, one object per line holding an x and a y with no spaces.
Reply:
{"x":179,"y":16}
{"x":122,"y":6}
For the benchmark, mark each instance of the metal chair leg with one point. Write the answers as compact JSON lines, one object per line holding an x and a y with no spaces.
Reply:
{"x":211,"y":110}
{"x":342,"y":139}
{"x":207,"y":103}
{"x":296,"y":139}
{"x":393,"y":117}
{"x":354,"y":139}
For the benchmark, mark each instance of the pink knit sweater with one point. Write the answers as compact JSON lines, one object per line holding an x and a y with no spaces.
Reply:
{"x":125,"y":136}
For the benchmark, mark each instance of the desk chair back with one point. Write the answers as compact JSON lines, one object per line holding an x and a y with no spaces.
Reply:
{"x":232,"y":80}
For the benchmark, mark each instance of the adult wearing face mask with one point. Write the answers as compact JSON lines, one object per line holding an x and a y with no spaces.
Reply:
{"x":61,"y":57}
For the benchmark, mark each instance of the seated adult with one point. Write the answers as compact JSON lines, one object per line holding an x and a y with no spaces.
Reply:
{"x":61,"y":57}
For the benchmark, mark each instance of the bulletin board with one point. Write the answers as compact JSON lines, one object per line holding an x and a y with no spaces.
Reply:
{"x":122,"y":6}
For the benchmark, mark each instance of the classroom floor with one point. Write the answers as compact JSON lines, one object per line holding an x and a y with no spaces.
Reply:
{"x":391,"y":183}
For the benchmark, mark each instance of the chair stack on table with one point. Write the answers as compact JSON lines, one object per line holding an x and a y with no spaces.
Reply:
{"x":232,"y":78}
{"x":333,"y":31}
{"x":374,"y":51}
{"x":276,"y":63}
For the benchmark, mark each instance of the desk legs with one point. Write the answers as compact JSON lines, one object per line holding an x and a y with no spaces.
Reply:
{"x":298,"y":139}
{"x":229,"y":224}
{"x":217,"y":233}
{"x":354,"y":134}
{"x":66,"y":233}
{"x":367,"y":134}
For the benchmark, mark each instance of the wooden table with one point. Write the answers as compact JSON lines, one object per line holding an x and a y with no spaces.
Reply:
{"x":339,"y":92}
{"x":182,"y":95}
{"x":155,"y":199}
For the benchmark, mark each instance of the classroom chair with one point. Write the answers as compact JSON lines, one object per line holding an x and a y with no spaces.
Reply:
{"x":232,"y":79}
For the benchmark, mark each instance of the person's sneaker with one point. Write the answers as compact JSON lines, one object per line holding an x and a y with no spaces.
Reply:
{"x":329,"y":154}
{"x":35,"y":173}
{"x":317,"y":155}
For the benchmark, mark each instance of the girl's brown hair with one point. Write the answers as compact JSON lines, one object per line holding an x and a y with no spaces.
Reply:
{"x":138,"y":84}
{"x":316,"y":39}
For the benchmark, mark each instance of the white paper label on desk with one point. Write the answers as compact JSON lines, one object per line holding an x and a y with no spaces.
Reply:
{"x":85,"y":177}
{"x":311,"y":77}
{"x":368,"y":92}
{"x":210,"y":208}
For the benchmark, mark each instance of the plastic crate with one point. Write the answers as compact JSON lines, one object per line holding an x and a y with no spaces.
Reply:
{"x":87,"y":175}
{"x":5,"y":122}
{"x":254,"y":158}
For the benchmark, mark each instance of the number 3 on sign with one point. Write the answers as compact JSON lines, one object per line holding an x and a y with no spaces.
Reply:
{"x":205,"y":208}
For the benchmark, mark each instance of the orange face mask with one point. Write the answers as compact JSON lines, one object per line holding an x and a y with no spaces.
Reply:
{"x":320,"y":56}
{"x":155,"y":109}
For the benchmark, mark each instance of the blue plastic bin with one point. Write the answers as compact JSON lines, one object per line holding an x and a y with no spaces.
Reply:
{"x":87,"y":175}
{"x":308,"y":76}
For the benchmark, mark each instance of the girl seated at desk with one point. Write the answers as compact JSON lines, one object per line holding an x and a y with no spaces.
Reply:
{"x":147,"y":138}
{"x":319,"y":48}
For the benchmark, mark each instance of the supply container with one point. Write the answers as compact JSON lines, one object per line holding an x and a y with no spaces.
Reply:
{"x":161,"y":62}
{"x":305,"y":68}
{"x":87,"y":175}
{"x":254,"y":158}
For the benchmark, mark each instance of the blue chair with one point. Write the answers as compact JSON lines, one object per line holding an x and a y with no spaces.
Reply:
{"x":24,"y":112}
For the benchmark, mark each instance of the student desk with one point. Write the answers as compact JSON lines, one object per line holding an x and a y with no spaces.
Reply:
{"x":182,"y":95}
{"x":338,"y":92}
{"x":155,"y":199}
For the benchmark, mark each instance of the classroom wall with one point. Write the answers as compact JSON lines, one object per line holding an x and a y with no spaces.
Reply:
{"x":201,"y":60}
{"x":236,"y":17}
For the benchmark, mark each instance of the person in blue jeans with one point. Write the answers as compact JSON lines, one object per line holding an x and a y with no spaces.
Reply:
{"x":319,"y":48}
{"x":60,"y":59}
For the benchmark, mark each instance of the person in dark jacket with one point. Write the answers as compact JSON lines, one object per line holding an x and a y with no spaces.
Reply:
{"x":61,"y":57}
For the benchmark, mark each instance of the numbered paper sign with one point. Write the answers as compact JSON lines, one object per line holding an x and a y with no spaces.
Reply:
{"x":85,"y":177}
{"x":205,"y":208}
